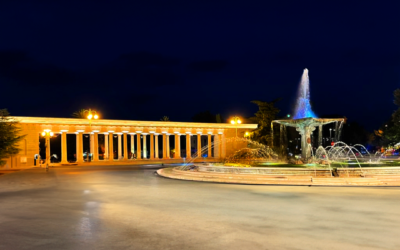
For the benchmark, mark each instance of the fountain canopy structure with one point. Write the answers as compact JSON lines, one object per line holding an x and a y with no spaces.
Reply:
{"x":305,"y":121}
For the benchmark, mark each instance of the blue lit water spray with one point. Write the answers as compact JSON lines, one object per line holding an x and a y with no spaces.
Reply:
{"x":303,"y":106}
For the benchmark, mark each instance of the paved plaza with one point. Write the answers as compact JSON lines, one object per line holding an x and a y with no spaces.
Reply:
{"x":125,"y":207}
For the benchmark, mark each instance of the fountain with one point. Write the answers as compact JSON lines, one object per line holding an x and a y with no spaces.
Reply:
{"x":305,"y":120}
{"x":256,"y":151}
{"x":252,"y":155}
{"x":259,"y":164}
{"x":303,"y":106}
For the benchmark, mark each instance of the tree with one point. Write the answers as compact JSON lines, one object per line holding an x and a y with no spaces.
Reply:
{"x":218,"y":118}
{"x":390,"y":132}
{"x":79,"y":114}
{"x":9,"y":136}
{"x":165,"y":119}
{"x":266,"y":113}
{"x":396,"y":95}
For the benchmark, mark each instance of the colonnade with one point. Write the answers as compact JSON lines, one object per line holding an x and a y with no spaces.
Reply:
{"x":156,"y":146}
{"x":122,"y":152}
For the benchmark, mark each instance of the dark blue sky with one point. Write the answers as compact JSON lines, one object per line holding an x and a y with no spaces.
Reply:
{"x":142,"y":60}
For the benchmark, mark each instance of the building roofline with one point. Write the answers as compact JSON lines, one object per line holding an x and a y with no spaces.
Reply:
{"x":107,"y":122}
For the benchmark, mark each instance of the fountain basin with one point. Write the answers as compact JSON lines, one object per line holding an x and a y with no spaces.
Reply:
{"x":369,"y":171}
{"x":275,"y":171}
{"x":380,"y":176}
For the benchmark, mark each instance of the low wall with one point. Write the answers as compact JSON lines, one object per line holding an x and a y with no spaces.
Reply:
{"x":346,"y":172}
{"x":261,"y":171}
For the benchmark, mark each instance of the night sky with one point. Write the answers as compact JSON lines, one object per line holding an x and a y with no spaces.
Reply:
{"x":141,"y":60}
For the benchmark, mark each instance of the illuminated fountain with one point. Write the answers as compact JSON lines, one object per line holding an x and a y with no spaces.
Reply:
{"x":304,"y":120}
{"x":254,"y":151}
{"x":303,"y":106}
{"x":258,"y":164}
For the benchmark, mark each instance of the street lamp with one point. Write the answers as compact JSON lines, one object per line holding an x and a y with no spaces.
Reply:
{"x":47,"y":134}
{"x":236,"y":120}
{"x":91,"y":114}
{"x":330,"y":133}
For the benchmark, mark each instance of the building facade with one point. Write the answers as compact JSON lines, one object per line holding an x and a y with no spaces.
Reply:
{"x":113,"y":142}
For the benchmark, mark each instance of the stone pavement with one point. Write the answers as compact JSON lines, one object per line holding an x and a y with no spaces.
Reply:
{"x":132,"y":208}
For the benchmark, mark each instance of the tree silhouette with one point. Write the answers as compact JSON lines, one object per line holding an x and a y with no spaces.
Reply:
{"x":266,"y":113}
{"x":79,"y":114}
{"x":9,"y":136}
{"x":165,"y":119}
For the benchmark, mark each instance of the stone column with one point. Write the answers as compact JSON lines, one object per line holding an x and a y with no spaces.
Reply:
{"x":106,"y":154}
{"x":281,"y":144}
{"x":188,"y":147}
{"x":144,"y":145}
{"x":151,"y":146}
{"x":168,"y":149}
{"x":220,"y":146}
{"x":111,"y":146}
{"x":209,"y":154}
{"x":79,"y":147}
{"x":119,"y":147}
{"x":336,"y":131}
{"x":95,"y":146}
{"x":64,"y":147}
{"x":139,"y":147}
{"x":305,"y":133}
{"x":223,"y":146}
{"x":164,"y":136}
{"x":177,"y":146}
{"x":157,"y":156}
{"x":198,"y":145}
{"x":91,"y":146}
{"x":216,"y":146}
{"x":132,"y":144}
{"x":125,"y":147}
{"x":48,"y":154}
{"x":320,"y":135}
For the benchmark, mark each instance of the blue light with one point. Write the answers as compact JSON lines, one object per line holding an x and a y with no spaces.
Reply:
{"x":303,"y":106}
{"x":304,"y":109}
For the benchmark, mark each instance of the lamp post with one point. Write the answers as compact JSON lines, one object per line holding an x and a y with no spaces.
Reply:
{"x":47,"y":134}
{"x":330,"y":133}
{"x":91,"y":114}
{"x":236,"y":120}
{"x":247,"y":136}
